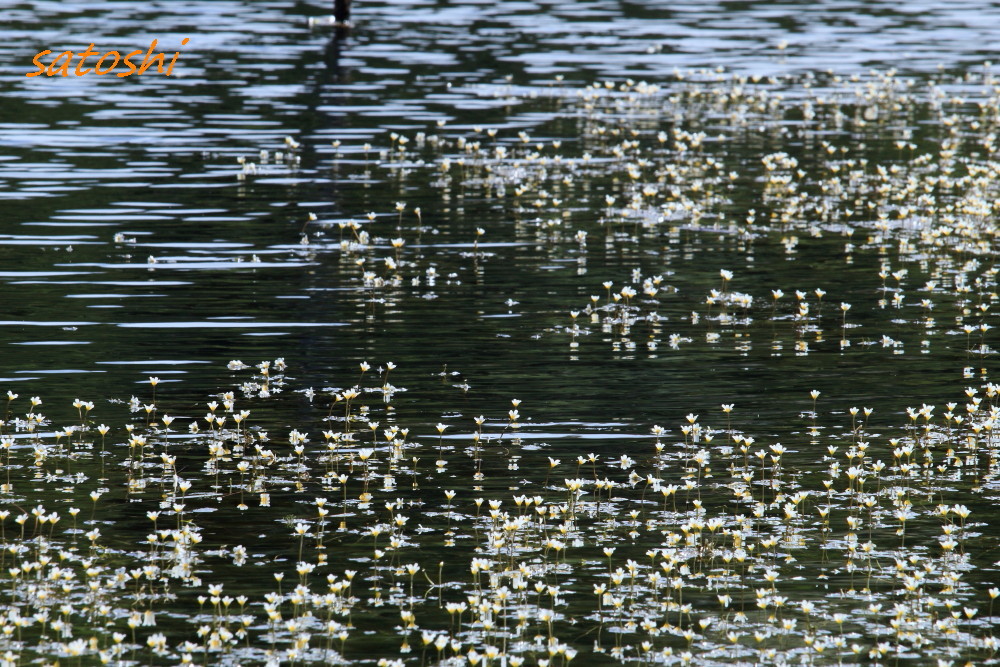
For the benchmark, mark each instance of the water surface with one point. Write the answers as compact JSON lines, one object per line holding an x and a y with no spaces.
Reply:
{"x":134,"y":245}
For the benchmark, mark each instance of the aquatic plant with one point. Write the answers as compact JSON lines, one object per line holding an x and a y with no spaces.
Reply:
{"x":402,"y":524}
{"x":699,"y":545}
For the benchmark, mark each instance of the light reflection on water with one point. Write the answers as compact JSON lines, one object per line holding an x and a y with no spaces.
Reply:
{"x":159,"y":258}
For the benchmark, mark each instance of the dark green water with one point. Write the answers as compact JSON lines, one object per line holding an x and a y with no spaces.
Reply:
{"x":133,"y":245}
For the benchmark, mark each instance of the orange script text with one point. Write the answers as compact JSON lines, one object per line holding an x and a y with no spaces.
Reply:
{"x":60,"y":65}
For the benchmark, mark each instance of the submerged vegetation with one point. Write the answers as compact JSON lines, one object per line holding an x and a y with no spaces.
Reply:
{"x":382,"y":529}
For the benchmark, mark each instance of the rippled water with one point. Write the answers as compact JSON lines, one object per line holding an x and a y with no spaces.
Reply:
{"x":133,"y":244}
{"x":73,"y":175}
{"x":80,"y":150}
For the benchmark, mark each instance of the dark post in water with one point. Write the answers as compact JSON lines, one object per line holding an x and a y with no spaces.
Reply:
{"x":341,"y":11}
